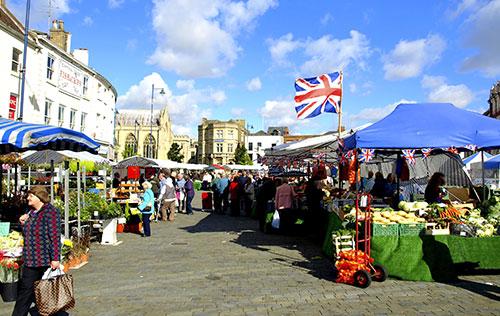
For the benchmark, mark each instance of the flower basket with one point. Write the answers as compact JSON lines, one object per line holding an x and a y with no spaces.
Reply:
{"x":8,"y":291}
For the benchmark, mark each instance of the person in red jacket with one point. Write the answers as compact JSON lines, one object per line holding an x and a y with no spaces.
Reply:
{"x":234,"y":196}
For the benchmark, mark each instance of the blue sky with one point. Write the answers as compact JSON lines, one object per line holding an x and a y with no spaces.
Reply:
{"x":239,"y":59}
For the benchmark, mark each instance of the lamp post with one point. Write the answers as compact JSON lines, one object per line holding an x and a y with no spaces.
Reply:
{"x":25,"y":52}
{"x":162,"y":92}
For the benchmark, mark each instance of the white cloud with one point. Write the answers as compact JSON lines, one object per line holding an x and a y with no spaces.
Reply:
{"x":88,"y":21}
{"x":218,"y":96}
{"x":281,"y":113}
{"x":237,"y":112}
{"x":322,"y":55}
{"x":113,"y":4}
{"x":254,"y":84}
{"x":39,"y":9}
{"x":199,"y":38}
{"x":186,"y":110}
{"x":409,"y":58}
{"x":326,"y":19}
{"x":439,"y":91}
{"x":482,"y":34}
{"x":185,"y":84}
{"x":462,"y":7}
{"x":281,"y":47}
{"x":373,"y":114}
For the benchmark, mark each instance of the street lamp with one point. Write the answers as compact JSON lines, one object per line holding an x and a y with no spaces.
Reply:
{"x":25,"y":53}
{"x":162,"y":92}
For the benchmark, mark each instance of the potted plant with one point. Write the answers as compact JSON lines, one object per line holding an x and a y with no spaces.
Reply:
{"x":9,"y":276}
{"x":67,"y":246}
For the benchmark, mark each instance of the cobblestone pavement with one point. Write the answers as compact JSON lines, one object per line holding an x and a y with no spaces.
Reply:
{"x":210,"y":264}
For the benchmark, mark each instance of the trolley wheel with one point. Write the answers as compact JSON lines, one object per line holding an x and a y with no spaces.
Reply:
{"x":379,"y":273}
{"x":362,"y":279}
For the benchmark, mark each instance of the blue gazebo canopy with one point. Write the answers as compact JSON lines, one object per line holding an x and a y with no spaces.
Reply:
{"x":428,"y":125}
{"x":493,"y":163}
{"x":18,"y":136}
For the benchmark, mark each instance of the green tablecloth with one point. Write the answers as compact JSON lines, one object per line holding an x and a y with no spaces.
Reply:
{"x":426,"y":258}
{"x":434,"y":258}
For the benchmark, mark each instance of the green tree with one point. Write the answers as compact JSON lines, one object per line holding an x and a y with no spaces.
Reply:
{"x":174,"y":153}
{"x":128,"y":152}
{"x":241,"y":156}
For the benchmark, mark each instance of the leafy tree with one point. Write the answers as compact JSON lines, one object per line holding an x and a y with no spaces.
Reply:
{"x":241,"y":156}
{"x":174,"y":153}
{"x":128,"y":152}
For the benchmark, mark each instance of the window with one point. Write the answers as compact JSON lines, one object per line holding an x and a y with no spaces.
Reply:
{"x":60,"y":116}
{"x":48,"y":106}
{"x":218,"y":148}
{"x":72,"y":118}
{"x":83,"y":120}
{"x":85,"y":85}
{"x":16,"y":56}
{"x":50,"y":67}
{"x":219,"y":134}
{"x":230,"y":134}
{"x":250,"y":146}
{"x":130,"y":146}
{"x":259,"y":145}
{"x":230,"y":148}
{"x":149,"y":147}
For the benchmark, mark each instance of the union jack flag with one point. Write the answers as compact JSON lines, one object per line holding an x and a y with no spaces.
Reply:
{"x":426,"y":152}
{"x":366,"y":155}
{"x":452,"y":150}
{"x":343,"y":159}
{"x":409,"y":155}
{"x":471,"y":147}
{"x":314,"y":96}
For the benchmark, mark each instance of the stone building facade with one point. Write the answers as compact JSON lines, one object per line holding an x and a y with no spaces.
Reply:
{"x":494,"y":101}
{"x":217,"y":140}
{"x":133,"y":134}
{"x":188,"y":148}
{"x":61,"y":88}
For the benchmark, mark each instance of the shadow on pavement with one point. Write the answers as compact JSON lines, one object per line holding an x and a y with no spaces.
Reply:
{"x":310,"y":259}
{"x":488,"y":290}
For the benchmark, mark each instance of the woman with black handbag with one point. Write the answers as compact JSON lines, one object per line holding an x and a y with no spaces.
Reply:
{"x":42,"y":245}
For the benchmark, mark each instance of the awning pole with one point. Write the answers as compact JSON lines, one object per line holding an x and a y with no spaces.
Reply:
{"x":52,"y":181}
{"x":482,"y":174}
{"x":66,"y":203}
{"x":78,"y":195}
{"x":29,"y":178}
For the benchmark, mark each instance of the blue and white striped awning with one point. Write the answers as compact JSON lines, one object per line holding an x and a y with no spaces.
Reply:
{"x":20,"y":136}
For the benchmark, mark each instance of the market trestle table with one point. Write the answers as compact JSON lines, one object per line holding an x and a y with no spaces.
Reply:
{"x":427,"y":258}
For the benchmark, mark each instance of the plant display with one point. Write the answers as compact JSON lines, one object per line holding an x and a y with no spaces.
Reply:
{"x":10,"y":257}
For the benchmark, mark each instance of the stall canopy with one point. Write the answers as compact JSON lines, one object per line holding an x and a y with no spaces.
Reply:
{"x":46,"y":156}
{"x":245,"y":167}
{"x":159,"y":163}
{"x":428,"y":125}
{"x":474,"y":158}
{"x":19,"y":136}
{"x":493,"y":163}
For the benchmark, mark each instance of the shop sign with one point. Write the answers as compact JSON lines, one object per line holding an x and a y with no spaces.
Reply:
{"x":12,"y":107}
{"x":70,"y":79}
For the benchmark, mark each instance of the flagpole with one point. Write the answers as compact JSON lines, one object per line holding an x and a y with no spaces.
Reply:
{"x":339,"y":130}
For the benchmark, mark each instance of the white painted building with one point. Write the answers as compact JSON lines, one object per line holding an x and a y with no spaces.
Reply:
{"x":257,"y":142}
{"x":60,"y":88}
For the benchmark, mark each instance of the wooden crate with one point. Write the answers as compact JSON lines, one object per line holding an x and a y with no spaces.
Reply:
{"x":342,"y":243}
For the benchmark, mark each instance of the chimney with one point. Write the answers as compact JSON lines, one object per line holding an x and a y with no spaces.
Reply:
{"x":59,"y":36}
{"x":82,"y":55}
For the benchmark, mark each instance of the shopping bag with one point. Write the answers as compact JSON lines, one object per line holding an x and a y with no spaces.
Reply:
{"x":54,"y":294}
{"x":49,"y":273}
{"x":276,"y":220}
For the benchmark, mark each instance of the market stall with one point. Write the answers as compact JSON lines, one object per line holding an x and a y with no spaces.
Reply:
{"x":410,"y":230}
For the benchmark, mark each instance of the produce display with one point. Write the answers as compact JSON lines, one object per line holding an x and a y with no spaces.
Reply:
{"x":463,"y":221}
{"x":349,"y":263}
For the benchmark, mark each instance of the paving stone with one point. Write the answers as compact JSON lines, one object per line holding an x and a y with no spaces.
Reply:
{"x":186,"y":269}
